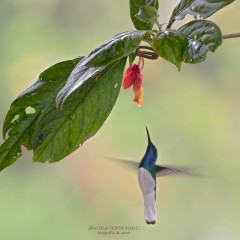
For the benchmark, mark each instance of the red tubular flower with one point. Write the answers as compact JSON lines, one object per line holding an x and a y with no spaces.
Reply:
{"x":133,"y":77}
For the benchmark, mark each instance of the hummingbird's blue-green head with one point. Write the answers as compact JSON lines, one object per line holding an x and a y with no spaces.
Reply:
{"x":149,"y":159}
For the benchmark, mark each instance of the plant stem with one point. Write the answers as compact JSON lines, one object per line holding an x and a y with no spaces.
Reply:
{"x":158,"y":25}
{"x":231,"y":35}
{"x":170,"y":23}
{"x":147,"y":54}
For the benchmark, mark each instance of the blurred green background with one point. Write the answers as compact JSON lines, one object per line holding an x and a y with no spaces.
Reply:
{"x":193,"y":118}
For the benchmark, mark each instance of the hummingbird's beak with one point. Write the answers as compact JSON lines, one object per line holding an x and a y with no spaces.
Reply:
{"x":149,"y":139}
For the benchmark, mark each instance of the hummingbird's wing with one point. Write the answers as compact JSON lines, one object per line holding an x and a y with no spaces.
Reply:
{"x":175,"y":170}
{"x":131,"y":165}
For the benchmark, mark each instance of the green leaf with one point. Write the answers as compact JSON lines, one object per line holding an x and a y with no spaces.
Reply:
{"x":170,"y":46}
{"x":198,"y":8}
{"x":78,"y":76}
{"x":121,"y":45}
{"x":135,"y":5}
{"x":21,"y":119}
{"x":147,"y":14}
{"x":203,"y":36}
{"x":58,"y":133}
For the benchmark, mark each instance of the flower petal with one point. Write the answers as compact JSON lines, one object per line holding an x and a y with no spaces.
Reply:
{"x":142,"y":63}
{"x":131,"y":75}
{"x":139,"y":97}
{"x":138,"y":83}
{"x":128,"y":79}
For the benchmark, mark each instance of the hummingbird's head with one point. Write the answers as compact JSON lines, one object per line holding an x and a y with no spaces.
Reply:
{"x":150,"y":157}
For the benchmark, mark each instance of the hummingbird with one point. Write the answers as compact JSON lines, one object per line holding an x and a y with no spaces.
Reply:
{"x":148,"y":171}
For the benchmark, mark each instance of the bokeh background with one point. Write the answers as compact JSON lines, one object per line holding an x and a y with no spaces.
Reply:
{"x":193,"y":117}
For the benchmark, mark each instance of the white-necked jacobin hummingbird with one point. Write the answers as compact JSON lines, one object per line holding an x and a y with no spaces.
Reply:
{"x":147,"y":173}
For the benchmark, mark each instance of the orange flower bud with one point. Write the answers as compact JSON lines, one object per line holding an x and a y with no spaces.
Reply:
{"x":133,"y":77}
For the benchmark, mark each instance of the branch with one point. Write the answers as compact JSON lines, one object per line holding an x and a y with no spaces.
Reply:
{"x":231,"y":35}
{"x":150,"y":54}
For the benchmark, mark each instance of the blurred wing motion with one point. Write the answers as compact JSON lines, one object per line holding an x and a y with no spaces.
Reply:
{"x":129,"y":164}
{"x":174,"y":170}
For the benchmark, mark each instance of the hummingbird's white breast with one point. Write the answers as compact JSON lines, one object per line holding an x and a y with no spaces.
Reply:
{"x":148,"y":188}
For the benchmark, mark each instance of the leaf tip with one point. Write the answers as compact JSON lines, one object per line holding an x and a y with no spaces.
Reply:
{"x":36,"y":159}
{"x":179,"y":66}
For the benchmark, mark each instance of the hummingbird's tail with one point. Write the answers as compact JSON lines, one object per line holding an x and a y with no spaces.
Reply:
{"x":150,"y":208}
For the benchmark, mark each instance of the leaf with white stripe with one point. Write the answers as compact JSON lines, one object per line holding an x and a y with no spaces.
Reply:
{"x":59,"y":133}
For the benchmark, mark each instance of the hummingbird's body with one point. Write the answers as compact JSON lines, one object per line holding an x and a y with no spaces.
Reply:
{"x":148,"y":187}
{"x":147,"y":172}
{"x":147,"y":182}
